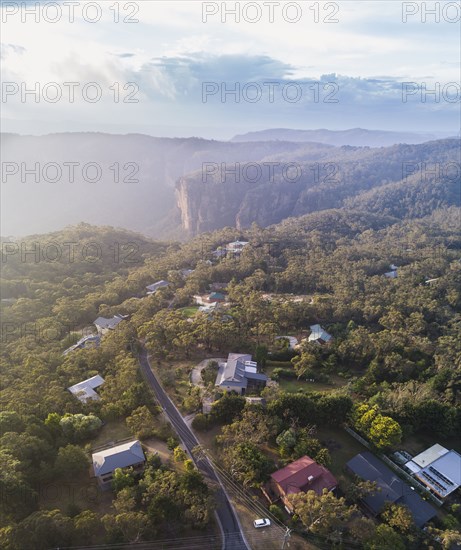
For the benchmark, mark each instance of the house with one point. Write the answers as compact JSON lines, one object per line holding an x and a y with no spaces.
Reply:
{"x":216,"y":297}
{"x":152,"y":289}
{"x":302,"y":475}
{"x":390,"y":488}
{"x":392,"y":274}
{"x":84,"y":391}
{"x":122,"y":456}
{"x":103,"y":325}
{"x":240,"y":374}
{"x":89,"y":341}
{"x":319,"y":335}
{"x":236,"y":246}
{"x":438,"y":469}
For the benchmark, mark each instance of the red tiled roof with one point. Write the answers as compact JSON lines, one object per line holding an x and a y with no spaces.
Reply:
{"x":295,"y":477}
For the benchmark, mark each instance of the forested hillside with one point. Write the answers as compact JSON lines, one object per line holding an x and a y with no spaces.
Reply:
{"x":414,"y":179}
{"x":395,"y":349}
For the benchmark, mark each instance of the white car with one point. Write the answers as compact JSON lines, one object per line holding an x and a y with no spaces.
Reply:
{"x":261,"y":523}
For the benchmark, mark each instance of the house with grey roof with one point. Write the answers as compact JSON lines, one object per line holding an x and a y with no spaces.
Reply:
{"x":88,"y":341}
{"x":437,"y":468}
{"x":240,"y":374}
{"x":152,"y":289}
{"x":103,"y":325}
{"x":390,"y":489}
{"x":319,"y":335}
{"x":84,"y":391}
{"x":127,"y":455}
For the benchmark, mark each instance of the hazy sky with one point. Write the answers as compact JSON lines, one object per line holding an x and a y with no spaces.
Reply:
{"x":303,"y":64}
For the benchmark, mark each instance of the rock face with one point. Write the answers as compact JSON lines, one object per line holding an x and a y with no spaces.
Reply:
{"x":239,"y":194}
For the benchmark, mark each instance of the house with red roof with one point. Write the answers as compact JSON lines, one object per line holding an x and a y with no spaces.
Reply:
{"x":302,"y":475}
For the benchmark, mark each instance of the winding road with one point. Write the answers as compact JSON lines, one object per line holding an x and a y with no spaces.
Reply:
{"x":233,"y":538}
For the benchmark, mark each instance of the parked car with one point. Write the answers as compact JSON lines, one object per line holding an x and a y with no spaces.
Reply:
{"x":264,"y":522}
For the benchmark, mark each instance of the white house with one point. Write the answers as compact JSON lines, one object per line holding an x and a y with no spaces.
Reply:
{"x":319,"y":335}
{"x":84,"y":391}
{"x":437,"y":468}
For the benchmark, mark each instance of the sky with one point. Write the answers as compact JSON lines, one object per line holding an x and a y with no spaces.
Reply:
{"x":216,"y":69}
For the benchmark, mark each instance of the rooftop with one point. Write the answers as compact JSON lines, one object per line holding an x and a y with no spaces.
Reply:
{"x":84,"y":391}
{"x":120,"y":456}
{"x":390,"y":488}
{"x":318,"y":333}
{"x":429,"y":455}
{"x":110,"y":324}
{"x":304,"y":474}
{"x":238,"y":369}
{"x":155,"y":286}
{"x":443,"y":475}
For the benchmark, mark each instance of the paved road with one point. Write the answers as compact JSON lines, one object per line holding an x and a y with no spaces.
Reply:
{"x":233,"y":538}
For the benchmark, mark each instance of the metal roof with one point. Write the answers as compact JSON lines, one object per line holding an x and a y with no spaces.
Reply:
{"x":121,"y":456}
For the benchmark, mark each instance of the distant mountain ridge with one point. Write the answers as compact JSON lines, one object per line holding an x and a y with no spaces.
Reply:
{"x":171,"y":193}
{"x":354,"y":136}
{"x":331,"y":178}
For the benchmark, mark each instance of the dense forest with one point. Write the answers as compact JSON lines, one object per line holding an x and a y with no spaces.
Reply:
{"x":395,"y":356}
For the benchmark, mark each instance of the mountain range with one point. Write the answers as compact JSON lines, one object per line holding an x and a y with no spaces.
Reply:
{"x":176,"y":188}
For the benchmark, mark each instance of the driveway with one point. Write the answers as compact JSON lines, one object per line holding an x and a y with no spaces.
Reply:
{"x":196,"y":373}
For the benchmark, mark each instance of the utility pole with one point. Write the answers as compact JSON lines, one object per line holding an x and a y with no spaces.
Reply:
{"x":286,"y":536}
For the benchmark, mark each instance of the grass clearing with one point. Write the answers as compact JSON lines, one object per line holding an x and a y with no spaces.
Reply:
{"x":189,"y":311}
{"x":342,"y":447}
{"x":293,"y":385}
{"x":111,"y":432}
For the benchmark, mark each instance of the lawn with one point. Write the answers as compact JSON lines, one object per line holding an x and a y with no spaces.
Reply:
{"x":189,"y":311}
{"x":111,"y":432}
{"x":292,"y":385}
{"x":342,"y":447}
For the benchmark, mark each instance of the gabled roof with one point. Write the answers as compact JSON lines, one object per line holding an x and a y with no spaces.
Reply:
{"x":94,"y":339}
{"x":155,"y":286}
{"x":233,"y":371}
{"x":304,"y":475}
{"x":238,"y":369}
{"x":318,"y":333}
{"x":237,"y":244}
{"x":392,"y":489}
{"x":110,"y":324}
{"x":120,"y":456}
{"x":85,"y":390}
{"x":442,"y":475}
